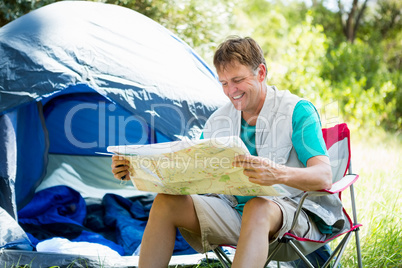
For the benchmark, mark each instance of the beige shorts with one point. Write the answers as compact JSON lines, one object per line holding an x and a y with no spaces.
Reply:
{"x":220,"y":223}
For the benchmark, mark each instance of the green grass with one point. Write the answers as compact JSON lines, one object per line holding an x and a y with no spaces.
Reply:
{"x":377,"y":159}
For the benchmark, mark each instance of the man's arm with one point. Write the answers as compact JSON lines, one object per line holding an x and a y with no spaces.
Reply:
{"x":316,"y":176}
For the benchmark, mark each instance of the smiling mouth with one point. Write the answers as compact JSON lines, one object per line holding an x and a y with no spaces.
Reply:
{"x":238,"y":97}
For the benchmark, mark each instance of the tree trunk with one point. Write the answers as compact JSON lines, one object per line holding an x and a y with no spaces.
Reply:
{"x":350,"y":34}
{"x":350,"y":26}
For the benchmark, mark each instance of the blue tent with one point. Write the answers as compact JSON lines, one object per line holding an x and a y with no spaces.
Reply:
{"x":76,"y":77}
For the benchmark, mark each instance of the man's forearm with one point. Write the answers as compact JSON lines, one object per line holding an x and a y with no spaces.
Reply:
{"x":316,"y":176}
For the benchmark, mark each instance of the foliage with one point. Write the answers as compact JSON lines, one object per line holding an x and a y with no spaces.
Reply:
{"x":308,"y":54}
{"x":198,"y":23}
{"x":300,"y":64}
{"x":11,"y":9}
{"x":330,"y":21}
{"x":367,"y":92}
{"x":387,"y":18}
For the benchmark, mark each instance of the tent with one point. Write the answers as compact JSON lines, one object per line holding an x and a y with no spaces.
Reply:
{"x":76,"y":77}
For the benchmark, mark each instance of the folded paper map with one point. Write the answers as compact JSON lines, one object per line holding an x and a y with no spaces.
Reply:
{"x":192,"y":167}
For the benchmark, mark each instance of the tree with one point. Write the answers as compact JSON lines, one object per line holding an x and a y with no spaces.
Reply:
{"x":329,"y":19}
{"x":11,"y":9}
{"x":388,"y":17}
{"x":350,"y":25}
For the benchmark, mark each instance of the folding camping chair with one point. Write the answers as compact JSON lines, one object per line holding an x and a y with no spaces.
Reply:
{"x":291,"y":247}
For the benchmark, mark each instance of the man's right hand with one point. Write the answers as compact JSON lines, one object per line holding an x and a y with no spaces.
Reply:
{"x":120,"y":168}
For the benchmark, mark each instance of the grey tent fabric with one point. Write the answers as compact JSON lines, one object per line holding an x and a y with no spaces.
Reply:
{"x":8,"y":167}
{"x":13,"y":233}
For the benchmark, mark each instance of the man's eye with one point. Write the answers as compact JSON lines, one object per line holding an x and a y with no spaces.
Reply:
{"x":238,"y":81}
{"x":224,"y":84}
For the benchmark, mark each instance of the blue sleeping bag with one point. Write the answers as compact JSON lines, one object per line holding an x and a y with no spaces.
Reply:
{"x":60,"y":211}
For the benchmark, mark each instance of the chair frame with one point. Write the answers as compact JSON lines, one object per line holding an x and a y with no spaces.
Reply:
{"x":346,"y":182}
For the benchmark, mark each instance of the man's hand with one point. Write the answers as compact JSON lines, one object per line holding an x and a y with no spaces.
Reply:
{"x":316,"y":176}
{"x":120,"y":168}
{"x":260,"y":170}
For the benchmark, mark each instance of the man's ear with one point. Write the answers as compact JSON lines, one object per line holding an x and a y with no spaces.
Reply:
{"x":261,"y":72}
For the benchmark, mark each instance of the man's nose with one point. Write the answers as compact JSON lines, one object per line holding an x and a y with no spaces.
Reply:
{"x":232,"y":87}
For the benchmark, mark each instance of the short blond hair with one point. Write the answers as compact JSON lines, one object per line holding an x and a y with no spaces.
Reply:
{"x":245,"y":50}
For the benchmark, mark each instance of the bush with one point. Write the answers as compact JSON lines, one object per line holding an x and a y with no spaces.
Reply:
{"x":366,"y":90}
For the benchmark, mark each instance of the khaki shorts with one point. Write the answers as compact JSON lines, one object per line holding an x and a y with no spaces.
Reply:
{"x":220,"y":223}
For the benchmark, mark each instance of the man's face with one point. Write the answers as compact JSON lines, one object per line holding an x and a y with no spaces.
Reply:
{"x":243,"y":87}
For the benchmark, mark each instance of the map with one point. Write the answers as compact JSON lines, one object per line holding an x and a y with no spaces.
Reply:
{"x":192,"y":167}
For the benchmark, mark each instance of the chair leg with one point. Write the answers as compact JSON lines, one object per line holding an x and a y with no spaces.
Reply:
{"x":358,"y":250}
{"x":352,"y":198}
{"x":337,"y":251}
{"x":338,"y":258}
{"x":301,"y":255}
{"x":272,"y":253}
{"x":223,"y":258}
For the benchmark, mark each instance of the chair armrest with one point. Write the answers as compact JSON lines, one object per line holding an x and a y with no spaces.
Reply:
{"x":338,"y":186}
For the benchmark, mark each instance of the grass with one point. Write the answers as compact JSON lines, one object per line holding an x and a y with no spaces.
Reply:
{"x":377,"y":159}
{"x":75,"y":263}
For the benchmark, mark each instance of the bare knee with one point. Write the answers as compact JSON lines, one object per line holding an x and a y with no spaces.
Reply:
{"x":261,"y":205}
{"x":175,"y":209}
{"x":264,"y":212}
{"x":171,"y":203}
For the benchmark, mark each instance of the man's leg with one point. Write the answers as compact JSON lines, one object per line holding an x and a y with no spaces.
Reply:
{"x":261,"y":219}
{"x":167,"y":213}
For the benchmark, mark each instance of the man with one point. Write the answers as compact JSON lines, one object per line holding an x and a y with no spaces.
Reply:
{"x":283,"y":135}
